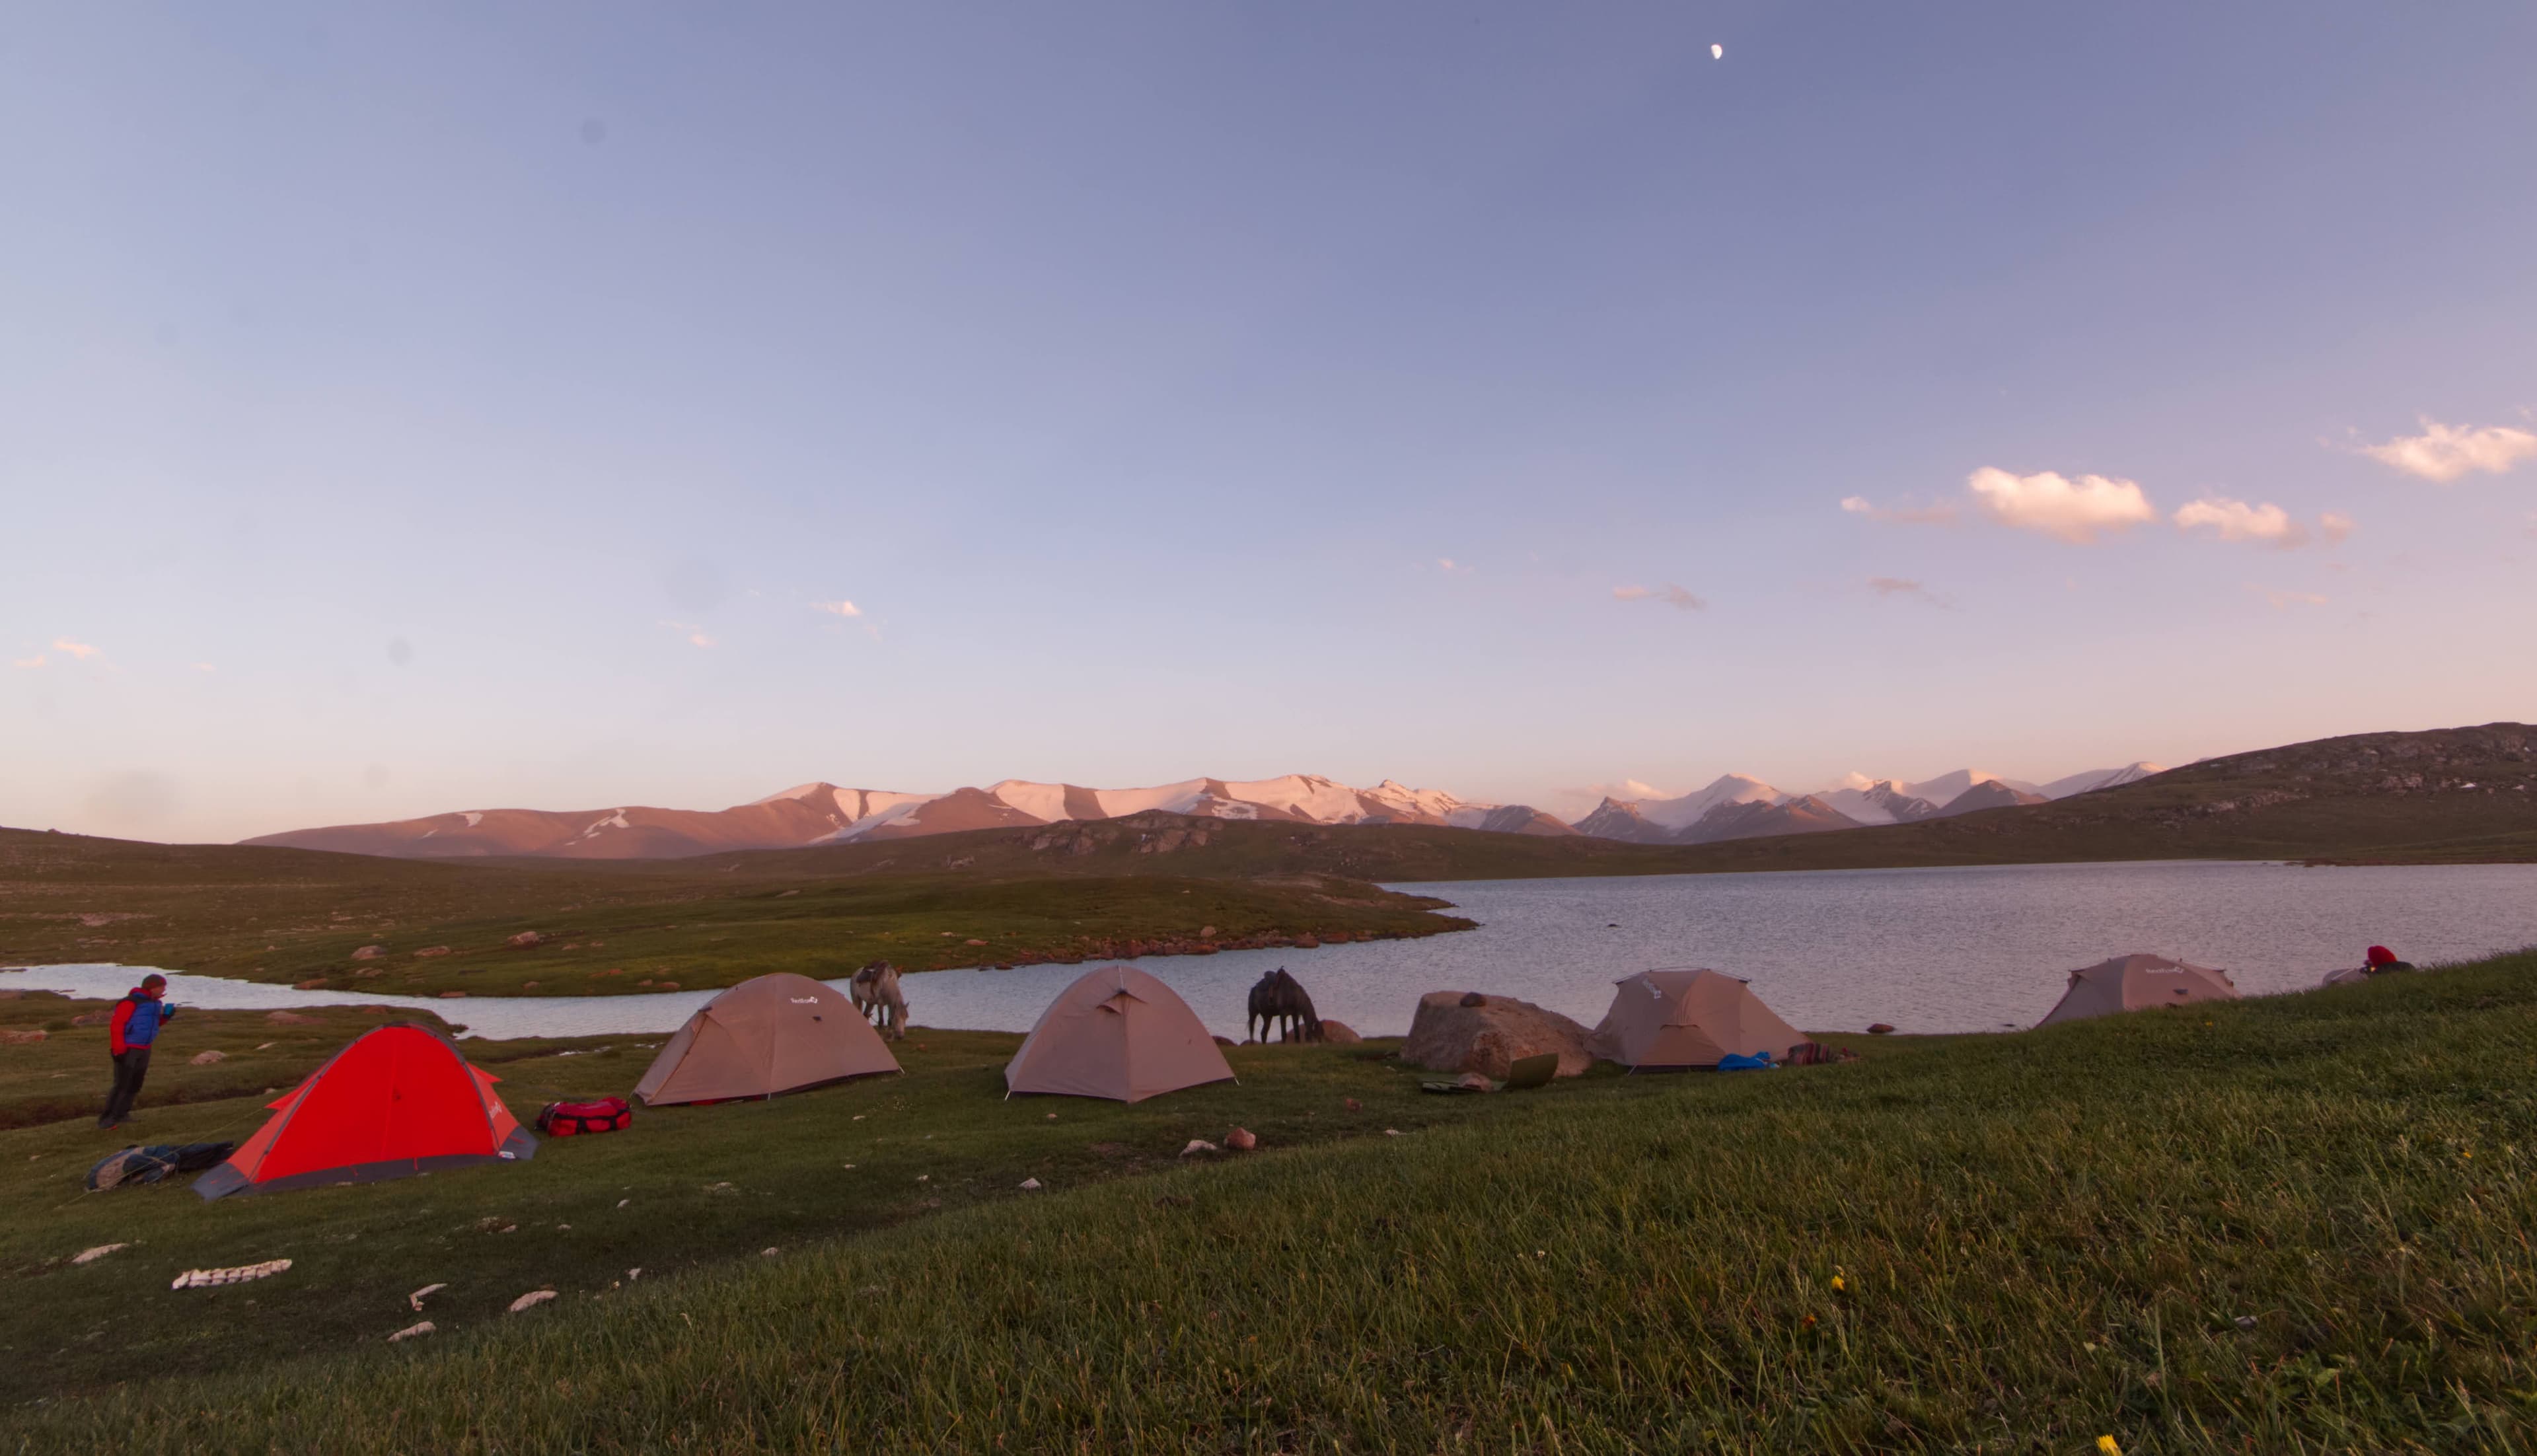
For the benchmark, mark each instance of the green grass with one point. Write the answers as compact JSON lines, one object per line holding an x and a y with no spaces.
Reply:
{"x":297,"y":917}
{"x":2039,"y":1239}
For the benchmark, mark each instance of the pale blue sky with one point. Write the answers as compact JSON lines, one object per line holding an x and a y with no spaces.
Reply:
{"x":390,"y":400}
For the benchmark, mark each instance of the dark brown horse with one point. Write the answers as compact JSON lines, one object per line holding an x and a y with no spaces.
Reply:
{"x":1279,"y":1001}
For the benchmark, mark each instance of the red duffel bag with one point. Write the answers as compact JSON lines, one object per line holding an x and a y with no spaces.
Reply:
{"x":570,"y":1120}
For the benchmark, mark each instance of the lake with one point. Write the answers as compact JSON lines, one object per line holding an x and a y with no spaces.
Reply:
{"x":1926,"y":950}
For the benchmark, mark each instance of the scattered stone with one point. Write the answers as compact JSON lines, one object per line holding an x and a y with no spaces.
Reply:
{"x":532,"y":1300}
{"x":314,"y":983}
{"x":1353,"y":1105}
{"x":290,"y":1018}
{"x":453,"y":995}
{"x":429,"y":951}
{"x":1308,"y":942}
{"x":1392,"y":1132}
{"x":14,"y":1038}
{"x":92,"y":1256}
{"x":622,"y":1202}
{"x":1030,"y":1185}
{"x":369,"y":952}
{"x":768,"y":1253}
{"x":633,"y":1274}
{"x":92,"y":1018}
{"x":267,"y":1045}
{"x":1206,"y":933}
{"x":1489,"y":1034}
{"x":2246,"y":1321}
{"x":1340,"y":1033}
{"x":1052,"y":1117}
{"x":1880,"y":1029}
{"x":419,"y":1295}
{"x":527,"y":985}
{"x":973,"y":941}
{"x":526,"y":939}
{"x":206,"y":1059}
{"x":1241,"y":1140}
{"x":414,"y":1331}
{"x":1197,"y":1145}
{"x":666,"y":986}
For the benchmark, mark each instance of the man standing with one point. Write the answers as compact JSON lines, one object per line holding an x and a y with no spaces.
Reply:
{"x":137,"y":1018}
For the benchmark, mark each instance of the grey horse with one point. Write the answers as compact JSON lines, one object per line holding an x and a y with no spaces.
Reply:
{"x":874,"y":989}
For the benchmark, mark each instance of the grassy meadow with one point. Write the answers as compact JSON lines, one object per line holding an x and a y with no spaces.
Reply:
{"x":2297,"y":1224}
{"x":297,"y":917}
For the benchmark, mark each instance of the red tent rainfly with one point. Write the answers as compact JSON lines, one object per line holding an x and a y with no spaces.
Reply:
{"x":397,"y":1101}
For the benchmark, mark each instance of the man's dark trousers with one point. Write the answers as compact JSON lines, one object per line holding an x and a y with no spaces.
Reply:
{"x":129,"y":1068}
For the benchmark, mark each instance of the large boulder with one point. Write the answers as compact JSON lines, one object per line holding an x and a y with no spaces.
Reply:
{"x":1450,"y":1035}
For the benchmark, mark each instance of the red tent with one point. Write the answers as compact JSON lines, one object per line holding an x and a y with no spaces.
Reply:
{"x":398,"y":1101}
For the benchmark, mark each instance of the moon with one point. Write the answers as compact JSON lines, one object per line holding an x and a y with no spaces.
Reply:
{"x":1718,"y":52}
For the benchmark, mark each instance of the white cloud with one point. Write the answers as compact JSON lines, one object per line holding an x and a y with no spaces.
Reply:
{"x":37,"y":661}
{"x":2074,"y":511}
{"x":2335,"y":525}
{"x":2445,"y":451}
{"x":2284,"y":600}
{"x":1941,"y":513}
{"x":1895,"y":586}
{"x":694,"y":634}
{"x":838,"y":609}
{"x":79,"y":649}
{"x":1449,"y":565}
{"x":1671,"y":594}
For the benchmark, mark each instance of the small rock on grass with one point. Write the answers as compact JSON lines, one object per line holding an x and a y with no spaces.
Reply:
{"x":206,"y":1059}
{"x":92,"y":1256}
{"x":768,"y":1253}
{"x":532,"y":1300}
{"x":1197,"y":1145}
{"x":1241,"y":1140}
{"x":426,"y":1292}
{"x":413,"y":1332}
{"x":1354,"y":1105}
{"x":1031,"y":1184}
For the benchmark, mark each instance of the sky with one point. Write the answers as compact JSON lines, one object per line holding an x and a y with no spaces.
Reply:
{"x":414,"y":408}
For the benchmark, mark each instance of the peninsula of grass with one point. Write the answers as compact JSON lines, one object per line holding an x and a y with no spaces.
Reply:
{"x":2293,"y":1224}
{"x":408,"y":927}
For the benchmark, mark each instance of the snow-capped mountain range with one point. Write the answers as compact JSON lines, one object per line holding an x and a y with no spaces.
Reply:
{"x":1737,"y":807}
{"x":825,"y":813}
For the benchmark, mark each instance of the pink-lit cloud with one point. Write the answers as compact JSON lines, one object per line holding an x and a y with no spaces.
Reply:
{"x":79,"y":649}
{"x":1939,"y":513}
{"x":838,"y":609}
{"x":2075,"y":511}
{"x":1906,"y":590}
{"x":1669,"y":594}
{"x":2443,"y":453}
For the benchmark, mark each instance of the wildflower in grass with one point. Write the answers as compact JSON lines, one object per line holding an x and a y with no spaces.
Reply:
{"x":1839,"y":1284}
{"x":2106,"y":1444}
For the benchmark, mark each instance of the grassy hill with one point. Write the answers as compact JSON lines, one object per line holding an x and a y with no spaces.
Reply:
{"x":2297,"y":1224}
{"x":298,"y":916}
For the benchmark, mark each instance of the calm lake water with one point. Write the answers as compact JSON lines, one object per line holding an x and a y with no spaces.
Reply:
{"x":1928,"y":950}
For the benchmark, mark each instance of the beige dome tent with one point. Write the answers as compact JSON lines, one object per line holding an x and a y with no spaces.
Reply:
{"x":2135,"y":983}
{"x":775,"y":1034}
{"x":1116,"y":1033}
{"x":1688,"y":1018}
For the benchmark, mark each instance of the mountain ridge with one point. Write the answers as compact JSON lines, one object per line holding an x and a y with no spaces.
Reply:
{"x":820,"y":812}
